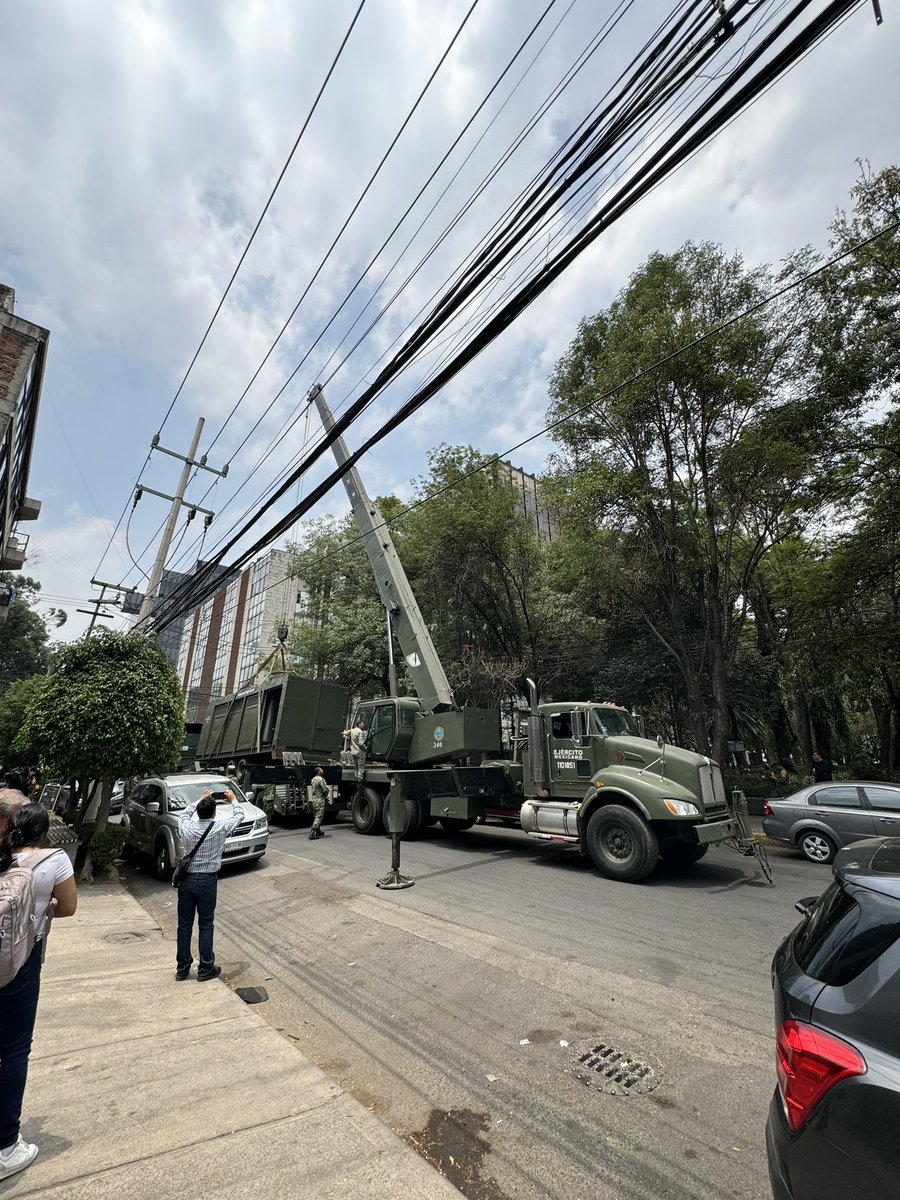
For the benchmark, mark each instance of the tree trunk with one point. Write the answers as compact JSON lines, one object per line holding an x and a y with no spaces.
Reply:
{"x":804,"y":730}
{"x":882,"y":713}
{"x":720,"y":704}
{"x":104,"y":792}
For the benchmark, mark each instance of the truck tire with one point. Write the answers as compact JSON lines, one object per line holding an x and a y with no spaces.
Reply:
{"x":413,"y":810}
{"x":162,"y":867}
{"x":366,"y":811}
{"x":682,"y":853}
{"x":621,"y":844}
{"x":456,"y":824}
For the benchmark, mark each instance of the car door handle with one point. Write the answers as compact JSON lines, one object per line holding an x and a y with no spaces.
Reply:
{"x":887,"y":820}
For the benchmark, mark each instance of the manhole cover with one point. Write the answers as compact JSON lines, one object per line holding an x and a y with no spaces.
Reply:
{"x":128,"y":935}
{"x":609,"y":1070}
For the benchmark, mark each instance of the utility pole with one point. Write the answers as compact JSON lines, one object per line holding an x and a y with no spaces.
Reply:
{"x":101,"y":600}
{"x":177,"y":501}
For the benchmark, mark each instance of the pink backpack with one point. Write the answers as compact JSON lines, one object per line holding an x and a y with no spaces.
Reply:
{"x":17,"y":914}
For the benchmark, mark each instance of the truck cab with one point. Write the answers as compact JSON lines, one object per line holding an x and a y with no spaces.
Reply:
{"x":590,"y":778}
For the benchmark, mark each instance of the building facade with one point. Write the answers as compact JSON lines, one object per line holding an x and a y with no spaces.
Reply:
{"x":23,"y":353}
{"x":527,"y":489}
{"x":226,"y":638}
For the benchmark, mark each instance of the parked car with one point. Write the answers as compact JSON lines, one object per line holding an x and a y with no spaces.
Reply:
{"x":832,"y":1128}
{"x":154,"y":807}
{"x":821,"y":818}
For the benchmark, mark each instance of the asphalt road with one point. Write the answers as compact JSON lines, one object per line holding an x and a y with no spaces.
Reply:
{"x":458,"y":1009}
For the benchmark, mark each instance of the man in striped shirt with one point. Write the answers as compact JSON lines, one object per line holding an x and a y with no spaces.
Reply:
{"x":198,"y":890}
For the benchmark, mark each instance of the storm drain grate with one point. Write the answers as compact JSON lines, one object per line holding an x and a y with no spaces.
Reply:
{"x":609,"y":1070}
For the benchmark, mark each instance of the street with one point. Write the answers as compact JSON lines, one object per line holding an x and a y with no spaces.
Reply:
{"x":457,"y":1010}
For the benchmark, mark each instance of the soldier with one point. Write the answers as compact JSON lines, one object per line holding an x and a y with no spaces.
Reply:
{"x":358,"y":748}
{"x":320,"y":794}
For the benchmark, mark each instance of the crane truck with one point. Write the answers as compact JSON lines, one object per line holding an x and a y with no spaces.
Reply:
{"x":586,"y":775}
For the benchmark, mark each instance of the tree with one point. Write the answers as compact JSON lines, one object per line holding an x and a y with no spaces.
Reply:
{"x":341,"y":635}
{"x":479,"y":571}
{"x":684,"y":478}
{"x":112,"y":708}
{"x":23,"y":635}
{"x":14,"y":706}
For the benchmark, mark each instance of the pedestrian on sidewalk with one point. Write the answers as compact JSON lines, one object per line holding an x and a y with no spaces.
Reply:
{"x":53,"y":885}
{"x":198,"y":890}
{"x":320,"y":794}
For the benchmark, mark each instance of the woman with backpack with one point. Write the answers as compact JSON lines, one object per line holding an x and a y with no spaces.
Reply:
{"x":42,"y":881}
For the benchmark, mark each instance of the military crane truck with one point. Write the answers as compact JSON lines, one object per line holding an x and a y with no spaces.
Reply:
{"x":275,"y":736}
{"x":586,"y":775}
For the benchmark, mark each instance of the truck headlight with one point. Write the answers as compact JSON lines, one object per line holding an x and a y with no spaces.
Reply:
{"x":681,"y":808}
{"x":261,"y":823}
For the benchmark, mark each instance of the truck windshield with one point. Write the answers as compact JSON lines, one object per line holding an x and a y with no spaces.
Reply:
{"x":612,"y":721}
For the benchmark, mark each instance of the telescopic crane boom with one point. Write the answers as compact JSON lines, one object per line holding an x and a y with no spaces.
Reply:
{"x":429,"y":679}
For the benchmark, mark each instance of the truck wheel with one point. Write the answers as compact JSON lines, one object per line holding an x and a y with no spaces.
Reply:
{"x":681,"y":853}
{"x":162,"y":868}
{"x":456,"y":824}
{"x":413,"y":812}
{"x":621,"y":844}
{"x":365,"y":810}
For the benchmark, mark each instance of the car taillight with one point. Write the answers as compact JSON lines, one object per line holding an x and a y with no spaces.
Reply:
{"x":808,"y":1063}
{"x":767,"y":809}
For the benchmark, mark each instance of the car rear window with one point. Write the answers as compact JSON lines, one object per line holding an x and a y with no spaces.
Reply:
{"x":847,"y":930}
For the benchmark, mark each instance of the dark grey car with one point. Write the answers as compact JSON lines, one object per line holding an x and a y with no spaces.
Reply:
{"x":833,"y":1121}
{"x":821,"y":818}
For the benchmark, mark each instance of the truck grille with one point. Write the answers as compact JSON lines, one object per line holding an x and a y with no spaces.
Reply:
{"x":712,"y":791}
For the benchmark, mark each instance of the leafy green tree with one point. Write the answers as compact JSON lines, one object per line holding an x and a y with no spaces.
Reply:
{"x":23,"y":635}
{"x":341,"y":634}
{"x":682,"y":479}
{"x":112,"y":708}
{"x":14,"y":706}
{"x":480,"y":574}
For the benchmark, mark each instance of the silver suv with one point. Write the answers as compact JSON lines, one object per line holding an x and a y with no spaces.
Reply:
{"x":154,"y":807}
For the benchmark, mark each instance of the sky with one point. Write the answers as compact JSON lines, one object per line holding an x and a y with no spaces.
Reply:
{"x":139,"y":142}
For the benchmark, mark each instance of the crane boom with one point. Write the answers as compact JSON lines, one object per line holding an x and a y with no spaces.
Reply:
{"x":428,"y":676}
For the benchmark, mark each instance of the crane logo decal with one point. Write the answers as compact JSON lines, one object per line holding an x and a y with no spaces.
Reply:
{"x":438,"y":736}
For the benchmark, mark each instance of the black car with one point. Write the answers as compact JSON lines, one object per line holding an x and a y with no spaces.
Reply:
{"x":833,"y":1131}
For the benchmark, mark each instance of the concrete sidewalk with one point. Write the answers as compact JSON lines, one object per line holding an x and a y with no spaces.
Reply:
{"x":145,"y":1087}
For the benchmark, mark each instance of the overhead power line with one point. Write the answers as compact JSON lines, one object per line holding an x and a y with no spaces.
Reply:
{"x":167,"y":617}
{"x":658,"y":70}
{"x":673,"y":43}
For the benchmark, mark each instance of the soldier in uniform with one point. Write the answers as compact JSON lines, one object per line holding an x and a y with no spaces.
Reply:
{"x":320,"y":793}
{"x":358,"y":747}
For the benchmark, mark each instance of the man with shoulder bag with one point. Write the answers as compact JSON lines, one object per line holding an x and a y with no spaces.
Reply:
{"x":196,"y":877}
